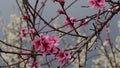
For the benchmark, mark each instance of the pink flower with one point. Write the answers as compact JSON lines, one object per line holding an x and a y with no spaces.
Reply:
{"x":97,"y":4}
{"x":54,"y":40}
{"x":42,"y":43}
{"x":62,"y":56}
{"x":53,"y":50}
{"x":23,"y":33}
{"x":70,"y":24}
{"x":45,"y":43}
{"x":45,"y":46}
{"x":37,"y":42}
{"x":32,"y":31}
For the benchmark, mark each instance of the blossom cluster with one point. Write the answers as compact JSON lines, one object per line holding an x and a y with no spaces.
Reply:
{"x":70,"y":22}
{"x":48,"y":45}
{"x":24,"y":32}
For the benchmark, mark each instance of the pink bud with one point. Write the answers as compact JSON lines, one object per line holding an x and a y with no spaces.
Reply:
{"x":83,"y":22}
{"x":32,"y":31}
{"x":23,"y":33}
{"x":60,"y":11}
{"x":73,"y":19}
{"x":109,"y":10}
{"x":26,"y":52}
{"x":107,"y":30}
{"x":26,"y":17}
{"x":116,"y":8}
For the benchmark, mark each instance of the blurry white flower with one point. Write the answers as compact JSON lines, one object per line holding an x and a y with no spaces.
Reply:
{"x":118,"y":24}
{"x":118,"y":39}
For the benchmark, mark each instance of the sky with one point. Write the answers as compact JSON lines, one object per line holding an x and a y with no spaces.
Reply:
{"x":7,"y":7}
